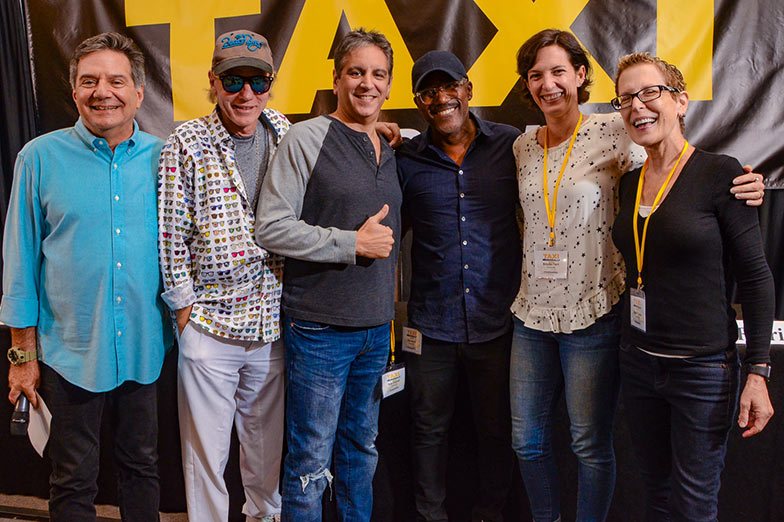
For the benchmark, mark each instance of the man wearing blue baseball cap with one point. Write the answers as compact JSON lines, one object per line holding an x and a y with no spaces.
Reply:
{"x":223,"y":287}
{"x":460,"y":197}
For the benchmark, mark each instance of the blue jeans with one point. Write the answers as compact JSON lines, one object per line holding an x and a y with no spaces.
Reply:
{"x":584,"y":365}
{"x":680,"y":412}
{"x":331,"y":413}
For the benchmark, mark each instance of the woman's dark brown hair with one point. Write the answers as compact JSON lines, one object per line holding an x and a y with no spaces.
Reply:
{"x":526,"y":57}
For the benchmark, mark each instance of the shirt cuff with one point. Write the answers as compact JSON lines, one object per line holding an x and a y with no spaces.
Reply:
{"x":19,"y":312}
{"x":346,"y":241}
{"x":179,"y":296}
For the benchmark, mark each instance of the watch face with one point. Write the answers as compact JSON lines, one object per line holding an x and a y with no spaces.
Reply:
{"x":18,"y":356}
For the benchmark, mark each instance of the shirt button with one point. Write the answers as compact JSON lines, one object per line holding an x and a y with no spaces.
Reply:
{"x":119,"y":333}
{"x":119,"y":299}
{"x":460,"y":172}
{"x":119,"y":265}
{"x":117,"y":231}
{"x":462,"y":218}
{"x":117,"y":198}
{"x":468,"y":290}
{"x":115,"y":165}
{"x":465,"y":242}
{"x":462,"y":194}
{"x":465,"y":267}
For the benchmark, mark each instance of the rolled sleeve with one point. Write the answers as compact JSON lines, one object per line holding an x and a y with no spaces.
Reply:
{"x":18,"y":312}
{"x":179,"y":296}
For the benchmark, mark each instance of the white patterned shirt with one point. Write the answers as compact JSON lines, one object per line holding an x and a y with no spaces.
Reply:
{"x":208,"y":255}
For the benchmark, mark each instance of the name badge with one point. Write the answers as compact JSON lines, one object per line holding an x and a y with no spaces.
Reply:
{"x":637,"y":302}
{"x":551,"y":264}
{"x":412,"y":340}
{"x":393,"y":380}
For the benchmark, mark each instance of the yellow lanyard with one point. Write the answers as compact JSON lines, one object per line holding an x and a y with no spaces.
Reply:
{"x":392,"y":342}
{"x":639,"y":247}
{"x":551,"y":208}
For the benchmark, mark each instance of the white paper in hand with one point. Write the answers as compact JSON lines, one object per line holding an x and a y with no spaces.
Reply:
{"x":38,"y":427}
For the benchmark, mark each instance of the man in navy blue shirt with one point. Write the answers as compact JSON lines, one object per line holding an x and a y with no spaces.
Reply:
{"x":460,"y":198}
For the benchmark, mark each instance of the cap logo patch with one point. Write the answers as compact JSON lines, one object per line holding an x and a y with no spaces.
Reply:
{"x":242,"y":39}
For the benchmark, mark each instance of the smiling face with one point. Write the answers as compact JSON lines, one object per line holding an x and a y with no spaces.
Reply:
{"x":105,"y":96}
{"x":553,"y":81}
{"x":362,"y":86}
{"x":651,"y":123}
{"x":240,"y":111}
{"x":447,"y":114}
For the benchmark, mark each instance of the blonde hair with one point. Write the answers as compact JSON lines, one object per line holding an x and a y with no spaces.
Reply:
{"x":672,"y":76}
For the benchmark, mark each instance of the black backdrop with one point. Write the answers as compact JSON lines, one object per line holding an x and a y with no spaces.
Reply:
{"x":747,"y":56}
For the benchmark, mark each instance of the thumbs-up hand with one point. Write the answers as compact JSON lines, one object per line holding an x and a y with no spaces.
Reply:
{"x":375,"y":240}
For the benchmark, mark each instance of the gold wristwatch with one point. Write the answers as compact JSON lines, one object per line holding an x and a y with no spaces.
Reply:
{"x":17,"y":356}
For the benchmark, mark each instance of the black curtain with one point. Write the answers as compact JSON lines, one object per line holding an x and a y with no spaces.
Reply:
{"x":16,"y":102}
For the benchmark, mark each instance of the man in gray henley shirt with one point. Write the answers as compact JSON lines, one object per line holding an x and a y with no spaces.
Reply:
{"x":330,"y":203}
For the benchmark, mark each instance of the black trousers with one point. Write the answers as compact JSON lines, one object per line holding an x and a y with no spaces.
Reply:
{"x":74,"y":443}
{"x":432,"y":382}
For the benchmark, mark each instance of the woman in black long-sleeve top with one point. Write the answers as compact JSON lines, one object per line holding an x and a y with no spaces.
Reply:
{"x":684,"y":241}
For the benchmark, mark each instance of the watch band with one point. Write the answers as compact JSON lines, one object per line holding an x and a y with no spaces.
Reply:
{"x":17,"y":355}
{"x":763,"y":371}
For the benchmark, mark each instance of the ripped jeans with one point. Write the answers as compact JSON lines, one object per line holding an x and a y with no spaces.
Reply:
{"x":331,"y":413}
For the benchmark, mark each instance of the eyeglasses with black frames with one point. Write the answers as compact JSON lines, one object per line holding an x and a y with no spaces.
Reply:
{"x":645,"y":95}
{"x":426,"y":96}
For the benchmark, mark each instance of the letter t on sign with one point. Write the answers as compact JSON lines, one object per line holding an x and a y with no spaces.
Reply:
{"x":192,"y":38}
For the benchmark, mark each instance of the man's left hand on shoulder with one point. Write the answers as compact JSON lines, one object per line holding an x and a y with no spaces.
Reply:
{"x":391,"y":131}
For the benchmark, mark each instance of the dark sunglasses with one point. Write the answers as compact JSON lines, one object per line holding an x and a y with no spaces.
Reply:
{"x":233,"y":83}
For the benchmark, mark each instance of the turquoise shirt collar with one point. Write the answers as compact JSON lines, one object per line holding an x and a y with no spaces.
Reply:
{"x":93,"y":141}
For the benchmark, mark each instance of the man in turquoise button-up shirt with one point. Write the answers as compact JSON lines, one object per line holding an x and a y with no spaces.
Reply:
{"x":81,"y":283}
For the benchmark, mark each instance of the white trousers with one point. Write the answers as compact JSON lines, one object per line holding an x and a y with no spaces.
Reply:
{"x":223,"y":382}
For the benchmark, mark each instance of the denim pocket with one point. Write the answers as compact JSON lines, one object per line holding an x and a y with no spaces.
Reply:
{"x":718,"y":360}
{"x":308,"y":326}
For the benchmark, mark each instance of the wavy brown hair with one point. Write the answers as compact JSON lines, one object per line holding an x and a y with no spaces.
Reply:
{"x":526,"y":57}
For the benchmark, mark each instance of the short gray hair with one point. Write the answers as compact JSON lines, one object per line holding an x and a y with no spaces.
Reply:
{"x":110,"y":42}
{"x":361,"y":37}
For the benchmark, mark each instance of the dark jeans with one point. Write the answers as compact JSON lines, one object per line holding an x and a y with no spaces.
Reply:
{"x":432,"y":383}
{"x":679,"y":413}
{"x":74,"y":444}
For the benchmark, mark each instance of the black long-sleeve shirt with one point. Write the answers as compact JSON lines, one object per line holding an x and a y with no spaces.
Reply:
{"x":699,"y":240}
